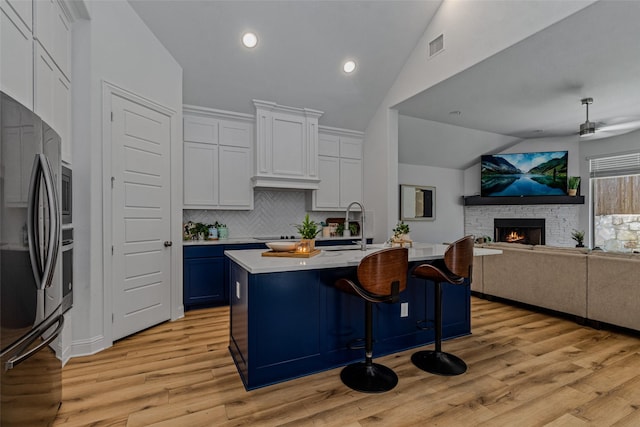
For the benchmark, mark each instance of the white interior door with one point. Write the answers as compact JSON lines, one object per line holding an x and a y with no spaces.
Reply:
{"x":140,"y":217}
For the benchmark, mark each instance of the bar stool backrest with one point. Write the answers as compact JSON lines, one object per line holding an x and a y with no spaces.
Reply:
{"x":459,"y":257}
{"x":377,"y":271}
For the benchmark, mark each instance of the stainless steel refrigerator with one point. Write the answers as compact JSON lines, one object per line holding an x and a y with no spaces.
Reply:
{"x":30,"y":280}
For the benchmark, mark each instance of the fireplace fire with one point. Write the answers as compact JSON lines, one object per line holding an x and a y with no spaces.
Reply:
{"x":515,"y":237}
{"x":519,"y":230}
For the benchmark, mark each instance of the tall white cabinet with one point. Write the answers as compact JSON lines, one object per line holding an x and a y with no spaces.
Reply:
{"x":218,"y":159}
{"x":52,"y":77}
{"x":339,"y":169}
{"x":16,"y":45}
{"x":35,"y":39}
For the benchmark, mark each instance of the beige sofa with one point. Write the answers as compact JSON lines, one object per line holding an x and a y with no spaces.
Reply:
{"x":613,"y":289}
{"x":592,"y":285}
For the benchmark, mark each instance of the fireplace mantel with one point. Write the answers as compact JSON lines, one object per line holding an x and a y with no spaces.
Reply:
{"x":523,"y":200}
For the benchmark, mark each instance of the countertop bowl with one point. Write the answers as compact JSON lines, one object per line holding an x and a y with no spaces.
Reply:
{"x":282,"y":246}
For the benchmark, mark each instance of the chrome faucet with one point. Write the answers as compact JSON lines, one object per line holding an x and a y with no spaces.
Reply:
{"x":363,"y":242}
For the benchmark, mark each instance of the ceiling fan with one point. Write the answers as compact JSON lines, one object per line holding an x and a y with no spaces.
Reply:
{"x":604,"y":130}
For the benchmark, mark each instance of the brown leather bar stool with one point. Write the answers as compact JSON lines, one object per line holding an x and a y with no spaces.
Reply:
{"x":382,"y":275}
{"x":456,"y":266}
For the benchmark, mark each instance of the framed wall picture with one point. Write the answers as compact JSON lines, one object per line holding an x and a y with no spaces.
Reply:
{"x":417,"y":203}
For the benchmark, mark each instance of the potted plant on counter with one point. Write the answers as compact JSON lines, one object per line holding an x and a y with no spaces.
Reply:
{"x":578,"y":236}
{"x":308,"y":231}
{"x":572,"y":185}
{"x":401,"y":234}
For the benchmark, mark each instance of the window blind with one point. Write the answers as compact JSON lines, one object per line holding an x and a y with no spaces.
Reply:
{"x":625,"y":164}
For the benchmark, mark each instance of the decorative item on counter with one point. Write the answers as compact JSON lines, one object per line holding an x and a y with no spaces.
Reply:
{"x":340,"y":230}
{"x":572,"y":185}
{"x":401,"y":235}
{"x":187,"y":228}
{"x":196,"y":231}
{"x":483,"y":239}
{"x":213,"y":232}
{"x":326,"y":229}
{"x":223,"y":231}
{"x":308,"y":231}
{"x":578,"y":236}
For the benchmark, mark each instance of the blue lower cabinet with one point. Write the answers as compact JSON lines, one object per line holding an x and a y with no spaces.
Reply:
{"x":203,"y":277}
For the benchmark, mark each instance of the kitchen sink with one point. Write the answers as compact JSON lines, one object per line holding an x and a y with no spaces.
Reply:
{"x":270,"y":238}
{"x":340,"y":248}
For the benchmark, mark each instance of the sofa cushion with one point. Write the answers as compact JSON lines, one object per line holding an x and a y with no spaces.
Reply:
{"x":503,"y":245}
{"x":561,"y":249}
{"x":476,"y":276}
{"x":614,"y":289}
{"x":551,"y":279}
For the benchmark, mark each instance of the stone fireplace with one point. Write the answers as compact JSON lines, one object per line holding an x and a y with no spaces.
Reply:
{"x":559,"y":220}
{"x":529,"y":231}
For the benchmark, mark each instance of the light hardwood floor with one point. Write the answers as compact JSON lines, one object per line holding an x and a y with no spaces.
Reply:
{"x":525,"y":369}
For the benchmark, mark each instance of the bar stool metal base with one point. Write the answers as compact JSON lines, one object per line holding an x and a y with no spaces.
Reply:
{"x":439,"y":362}
{"x":369,"y":378}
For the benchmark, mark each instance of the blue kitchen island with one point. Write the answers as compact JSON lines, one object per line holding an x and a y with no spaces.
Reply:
{"x":288,"y":320}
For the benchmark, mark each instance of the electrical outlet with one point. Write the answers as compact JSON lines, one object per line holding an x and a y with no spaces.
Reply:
{"x":404,"y":309}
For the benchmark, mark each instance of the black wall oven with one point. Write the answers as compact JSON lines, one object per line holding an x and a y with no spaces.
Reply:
{"x":67,"y":269}
{"x":65,"y":196}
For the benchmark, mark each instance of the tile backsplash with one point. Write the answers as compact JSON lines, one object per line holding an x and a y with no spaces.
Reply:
{"x":275,"y":213}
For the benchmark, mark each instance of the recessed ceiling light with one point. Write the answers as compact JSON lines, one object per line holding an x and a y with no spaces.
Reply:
{"x":249,"y":39}
{"x":349,"y":66}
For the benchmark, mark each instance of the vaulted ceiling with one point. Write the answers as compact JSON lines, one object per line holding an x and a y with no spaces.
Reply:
{"x":301,"y":48}
{"x":530,"y":90}
{"x":533,"y":89}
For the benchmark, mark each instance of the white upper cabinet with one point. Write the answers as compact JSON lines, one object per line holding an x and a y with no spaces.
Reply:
{"x":52,"y":98}
{"x":217,"y":160}
{"x":16,"y":45}
{"x":340,"y":169}
{"x":286,"y":146}
{"x":53,"y":32}
{"x":200,"y":129}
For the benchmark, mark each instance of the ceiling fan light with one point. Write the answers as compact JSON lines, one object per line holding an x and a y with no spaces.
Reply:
{"x":587,"y":128}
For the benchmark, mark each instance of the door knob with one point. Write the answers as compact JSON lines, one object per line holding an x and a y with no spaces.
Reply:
{"x":167,"y":243}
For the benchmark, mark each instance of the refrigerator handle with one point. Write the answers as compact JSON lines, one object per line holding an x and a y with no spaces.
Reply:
{"x":32,"y":221}
{"x":19,"y":358}
{"x":43,"y":273}
{"x":53,"y":244}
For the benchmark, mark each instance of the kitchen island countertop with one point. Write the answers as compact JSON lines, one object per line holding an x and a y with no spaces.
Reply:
{"x":334,"y":257}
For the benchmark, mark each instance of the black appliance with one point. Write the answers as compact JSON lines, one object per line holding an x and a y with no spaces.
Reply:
{"x":65,"y":195}
{"x":67,"y":269}
{"x":30,"y":285}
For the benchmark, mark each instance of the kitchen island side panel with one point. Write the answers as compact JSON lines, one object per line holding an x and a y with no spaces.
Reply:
{"x":290,"y":324}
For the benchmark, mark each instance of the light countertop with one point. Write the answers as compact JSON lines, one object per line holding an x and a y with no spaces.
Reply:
{"x":334,"y":257}
{"x":240,"y":240}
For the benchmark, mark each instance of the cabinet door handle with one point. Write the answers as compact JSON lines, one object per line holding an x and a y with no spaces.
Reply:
{"x":167,"y":243}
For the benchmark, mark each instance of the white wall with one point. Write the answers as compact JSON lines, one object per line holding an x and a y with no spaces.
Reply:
{"x":570,"y":144}
{"x":449,"y":223}
{"x":473,"y":31}
{"x":114,"y":46}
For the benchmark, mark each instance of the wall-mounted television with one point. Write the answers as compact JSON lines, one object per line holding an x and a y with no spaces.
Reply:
{"x":524,"y":174}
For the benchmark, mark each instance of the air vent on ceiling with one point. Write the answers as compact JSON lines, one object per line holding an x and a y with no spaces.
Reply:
{"x":436,"y":45}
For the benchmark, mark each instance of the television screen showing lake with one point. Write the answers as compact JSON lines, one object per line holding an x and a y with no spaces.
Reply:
{"x":524,"y":174}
